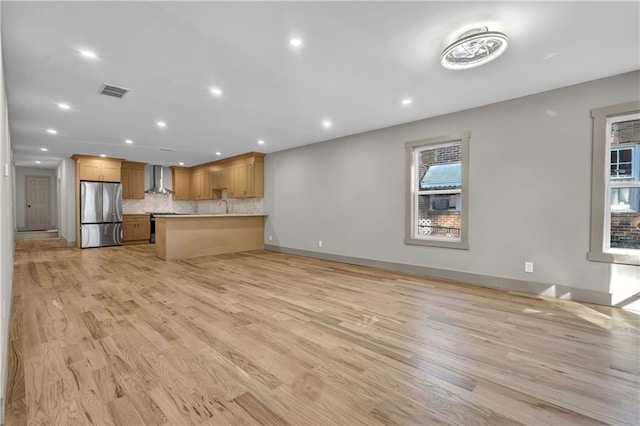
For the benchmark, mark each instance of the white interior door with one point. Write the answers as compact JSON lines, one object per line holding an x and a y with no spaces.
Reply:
{"x":38,"y":202}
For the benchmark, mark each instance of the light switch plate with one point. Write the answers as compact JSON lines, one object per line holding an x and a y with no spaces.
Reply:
{"x":6,"y":170}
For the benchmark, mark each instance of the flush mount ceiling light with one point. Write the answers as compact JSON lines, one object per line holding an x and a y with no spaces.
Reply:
{"x":474,"y":48}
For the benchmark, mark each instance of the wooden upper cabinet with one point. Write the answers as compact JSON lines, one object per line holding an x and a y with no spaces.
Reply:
{"x":97,"y":168}
{"x":132,"y":180}
{"x":181,"y":179}
{"x":219,"y":177}
{"x":242,"y":176}
{"x":201,"y":184}
{"x":246,"y":178}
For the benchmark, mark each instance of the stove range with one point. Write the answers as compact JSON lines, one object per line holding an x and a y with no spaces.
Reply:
{"x":152,"y":218}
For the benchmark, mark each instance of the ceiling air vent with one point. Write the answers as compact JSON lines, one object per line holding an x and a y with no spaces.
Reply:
{"x":115,"y":91}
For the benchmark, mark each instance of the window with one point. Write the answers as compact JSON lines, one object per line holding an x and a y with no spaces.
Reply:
{"x":437,"y":206}
{"x":615,"y":198}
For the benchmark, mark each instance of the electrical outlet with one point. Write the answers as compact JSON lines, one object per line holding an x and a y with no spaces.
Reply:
{"x":320,"y":243}
{"x":270,"y":237}
{"x":528,"y":267}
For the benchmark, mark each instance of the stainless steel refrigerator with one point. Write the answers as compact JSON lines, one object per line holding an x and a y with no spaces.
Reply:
{"x":100,"y":214}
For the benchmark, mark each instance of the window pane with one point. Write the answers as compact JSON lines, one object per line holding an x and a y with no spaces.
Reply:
{"x":440,"y":168}
{"x":439,"y":216}
{"x":625,"y":218}
{"x":625,"y":155}
{"x":624,"y":170}
{"x":615,"y":213}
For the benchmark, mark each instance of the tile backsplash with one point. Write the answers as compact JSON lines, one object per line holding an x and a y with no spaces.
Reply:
{"x":166,"y":204}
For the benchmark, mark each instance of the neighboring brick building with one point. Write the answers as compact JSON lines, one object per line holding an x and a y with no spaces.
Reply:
{"x":440,"y":170}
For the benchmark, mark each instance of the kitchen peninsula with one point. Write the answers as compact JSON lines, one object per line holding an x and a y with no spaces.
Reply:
{"x":186,"y":236}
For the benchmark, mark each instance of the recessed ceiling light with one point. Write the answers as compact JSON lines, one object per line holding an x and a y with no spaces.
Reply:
{"x":52,"y":131}
{"x":406,"y":101}
{"x":260,"y":142}
{"x":129,"y":141}
{"x":216,"y":91}
{"x":295,"y":42}
{"x":44,"y":149}
{"x":37,"y":161}
{"x":218,"y":153}
{"x":473,"y":48}
{"x":327,"y":124}
{"x":161,"y":124}
{"x":64,"y":106}
{"x":103,"y":155}
{"x":181,"y":163}
{"x":88,"y":54}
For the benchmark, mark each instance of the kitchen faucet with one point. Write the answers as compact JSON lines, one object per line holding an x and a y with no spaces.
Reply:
{"x":226,"y":206}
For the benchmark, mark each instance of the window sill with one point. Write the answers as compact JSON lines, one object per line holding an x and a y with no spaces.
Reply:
{"x":460,"y":245}
{"x":618,"y":258}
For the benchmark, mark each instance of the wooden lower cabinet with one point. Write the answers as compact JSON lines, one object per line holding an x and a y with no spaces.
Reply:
{"x":136,"y":229}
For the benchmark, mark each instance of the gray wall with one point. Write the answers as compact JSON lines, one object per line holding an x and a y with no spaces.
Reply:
{"x":21,"y":193}
{"x":530,"y":171}
{"x":7,"y":235}
{"x":66,"y":190}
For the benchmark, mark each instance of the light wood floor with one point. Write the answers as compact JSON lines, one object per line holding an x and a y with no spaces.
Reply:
{"x":117,"y":336}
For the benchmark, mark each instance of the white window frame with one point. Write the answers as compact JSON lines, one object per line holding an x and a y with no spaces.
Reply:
{"x":413,"y":191}
{"x":601,"y":185}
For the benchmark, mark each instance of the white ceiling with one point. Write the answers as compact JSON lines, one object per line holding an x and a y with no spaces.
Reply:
{"x":357,"y":62}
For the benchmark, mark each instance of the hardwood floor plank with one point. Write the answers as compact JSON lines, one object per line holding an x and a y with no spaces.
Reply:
{"x":258,"y":410}
{"x":117,"y":336}
{"x":15,"y":390}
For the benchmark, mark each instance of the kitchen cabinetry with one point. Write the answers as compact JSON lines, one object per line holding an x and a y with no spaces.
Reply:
{"x":181,"y":179}
{"x":136,"y":229}
{"x":246,"y":178}
{"x":219,"y":177}
{"x":242,"y":176}
{"x":97,"y":168}
{"x":201,"y":184}
{"x":132,"y":180}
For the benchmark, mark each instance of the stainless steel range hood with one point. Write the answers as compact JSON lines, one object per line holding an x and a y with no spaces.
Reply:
{"x":158,"y":185}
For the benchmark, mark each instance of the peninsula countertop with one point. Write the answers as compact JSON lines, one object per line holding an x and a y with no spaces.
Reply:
{"x":183,"y":236}
{"x":189,"y":215}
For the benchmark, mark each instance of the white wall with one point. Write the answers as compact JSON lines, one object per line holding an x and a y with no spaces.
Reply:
{"x":66,"y":184}
{"x":7,"y":235}
{"x":21,"y":194}
{"x":530,"y":176}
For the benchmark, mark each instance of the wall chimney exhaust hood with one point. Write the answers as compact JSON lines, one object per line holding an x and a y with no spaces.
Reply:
{"x":158,"y":185}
